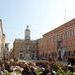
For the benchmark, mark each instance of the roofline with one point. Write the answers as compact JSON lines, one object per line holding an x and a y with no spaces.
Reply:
{"x":61,"y":26}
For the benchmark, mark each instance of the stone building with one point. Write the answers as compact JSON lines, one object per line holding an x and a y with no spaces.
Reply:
{"x":60,"y":42}
{"x":25,"y":49}
{"x":2,"y":41}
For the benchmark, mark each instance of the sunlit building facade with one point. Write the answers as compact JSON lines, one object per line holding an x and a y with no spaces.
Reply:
{"x":60,"y":42}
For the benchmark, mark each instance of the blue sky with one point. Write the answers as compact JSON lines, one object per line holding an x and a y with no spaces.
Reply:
{"x":41,"y":16}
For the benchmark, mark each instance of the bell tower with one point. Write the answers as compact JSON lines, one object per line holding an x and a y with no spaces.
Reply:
{"x":27,"y":33}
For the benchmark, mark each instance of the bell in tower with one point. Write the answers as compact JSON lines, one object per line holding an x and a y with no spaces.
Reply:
{"x":27,"y":33}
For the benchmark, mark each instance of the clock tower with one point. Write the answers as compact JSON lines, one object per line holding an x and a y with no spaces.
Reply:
{"x":27,"y":33}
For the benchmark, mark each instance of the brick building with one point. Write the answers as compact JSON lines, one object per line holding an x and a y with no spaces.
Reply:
{"x":60,"y":42}
{"x":25,"y":48}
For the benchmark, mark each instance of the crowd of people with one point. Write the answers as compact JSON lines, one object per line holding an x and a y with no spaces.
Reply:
{"x":23,"y":68}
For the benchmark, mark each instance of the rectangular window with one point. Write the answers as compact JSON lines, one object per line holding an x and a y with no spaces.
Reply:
{"x":74,"y":31}
{"x":65,"y":35}
{"x":70,"y":33}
